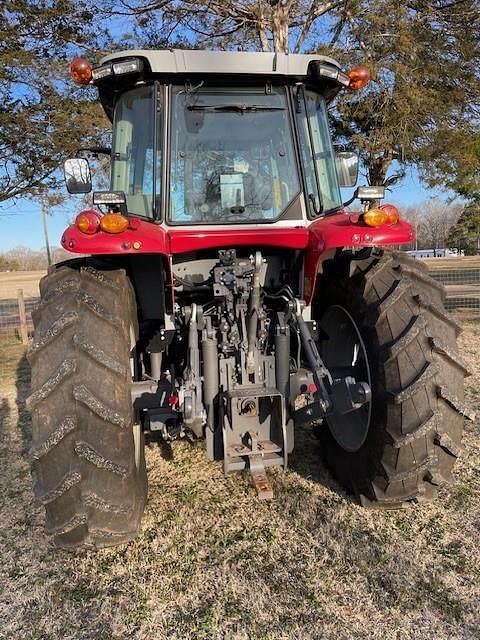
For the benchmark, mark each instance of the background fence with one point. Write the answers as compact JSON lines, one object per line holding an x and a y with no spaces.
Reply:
{"x":16,"y":318}
{"x":461,"y":278}
{"x":19,"y":294}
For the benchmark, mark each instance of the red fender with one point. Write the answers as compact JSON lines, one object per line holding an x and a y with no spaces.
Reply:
{"x":329,"y":232}
{"x":340,"y":230}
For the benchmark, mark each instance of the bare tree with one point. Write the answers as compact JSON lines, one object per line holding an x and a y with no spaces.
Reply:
{"x":432,"y":220}
{"x":27,"y":259}
{"x":268,"y":25}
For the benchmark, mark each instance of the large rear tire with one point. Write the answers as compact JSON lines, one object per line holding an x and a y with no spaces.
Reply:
{"x":88,"y":468}
{"x":416,"y":419}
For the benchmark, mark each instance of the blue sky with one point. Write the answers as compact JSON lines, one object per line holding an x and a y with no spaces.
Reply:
{"x":21,"y":222}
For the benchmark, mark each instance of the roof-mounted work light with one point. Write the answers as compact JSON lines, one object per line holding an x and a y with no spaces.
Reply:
{"x":121,"y":68}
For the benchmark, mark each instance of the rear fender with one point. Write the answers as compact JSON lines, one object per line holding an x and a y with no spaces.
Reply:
{"x":339,"y":231}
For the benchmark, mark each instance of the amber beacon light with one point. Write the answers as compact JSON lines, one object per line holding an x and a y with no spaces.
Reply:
{"x":378,"y":216}
{"x":113,"y":223}
{"x":359,"y":77}
{"x":81,"y":71}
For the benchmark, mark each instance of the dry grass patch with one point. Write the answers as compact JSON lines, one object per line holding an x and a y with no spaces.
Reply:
{"x":11,"y":281}
{"x":214,"y":562}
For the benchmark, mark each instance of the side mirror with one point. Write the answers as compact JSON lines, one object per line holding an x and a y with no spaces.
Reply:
{"x":347,"y":168}
{"x":77,"y":175}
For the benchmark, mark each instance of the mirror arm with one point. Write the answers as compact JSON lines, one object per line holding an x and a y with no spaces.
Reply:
{"x":349,"y":202}
{"x":95,"y":151}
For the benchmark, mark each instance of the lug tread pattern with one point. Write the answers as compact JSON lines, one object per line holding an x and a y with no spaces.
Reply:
{"x":84,"y":467}
{"x":415,"y":435}
{"x":402,"y":476}
{"x":65,"y":484}
{"x":57,"y":328}
{"x":404,"y":439}
{"x":76,"y":521}
{"x":455,"y":403}
{"x":418,"y":276}
{"x":92,"y":499}
{"x":426,"y":303}
{"x":399,"y":289}
{"x":52,"y":295}
{"x":66,"y":426}
{"x":98,"y":355}
{"x":99,"y":309}
{"x":413,"y":330}
{"x":101,"y":278}
{"x":64,"y":371}
{"x":87,"y":452}
{"x":429,"y":371}
{"x":446,"y":442}
{"x":82,"y":394}
{"x":439,"y":346}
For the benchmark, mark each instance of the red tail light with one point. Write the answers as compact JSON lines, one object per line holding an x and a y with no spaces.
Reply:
{"x":393,"y":215}
{"x":88,"y":221}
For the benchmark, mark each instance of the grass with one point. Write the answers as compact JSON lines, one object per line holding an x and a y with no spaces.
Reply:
{"x":212,"y":562}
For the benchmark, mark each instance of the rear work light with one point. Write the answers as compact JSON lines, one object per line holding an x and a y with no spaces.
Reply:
{"x":102,"y":72}
{"x":120,"y":68}
{"x":128,"y":66}
{"x":88,"y":221}
{"x":113,"y":223}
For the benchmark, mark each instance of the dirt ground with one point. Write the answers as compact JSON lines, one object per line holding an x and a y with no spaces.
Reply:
{"x":10,"y":281}
{"x":212,"y":562}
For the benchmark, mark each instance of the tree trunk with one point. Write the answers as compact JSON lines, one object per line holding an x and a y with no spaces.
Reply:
{"x":262,"y":29}
{"x":377,"y":169}
{"x":280,"y":21}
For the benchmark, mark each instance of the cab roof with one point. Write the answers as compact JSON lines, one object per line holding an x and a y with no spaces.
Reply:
{"x":187,"y":61}
{"x":122,"y":70}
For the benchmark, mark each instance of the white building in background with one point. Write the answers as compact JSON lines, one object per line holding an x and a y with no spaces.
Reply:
{"x":436,"y":253}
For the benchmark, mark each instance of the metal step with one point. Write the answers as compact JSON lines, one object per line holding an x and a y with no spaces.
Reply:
{"x":263,"y":447}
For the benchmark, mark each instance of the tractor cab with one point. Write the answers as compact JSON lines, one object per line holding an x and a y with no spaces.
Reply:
{"x":215,"y":138}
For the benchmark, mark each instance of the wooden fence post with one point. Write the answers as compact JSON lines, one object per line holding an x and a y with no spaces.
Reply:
{"x":22,"y":316}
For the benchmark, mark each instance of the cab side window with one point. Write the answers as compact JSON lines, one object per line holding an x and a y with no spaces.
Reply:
{"x":323,"y":193}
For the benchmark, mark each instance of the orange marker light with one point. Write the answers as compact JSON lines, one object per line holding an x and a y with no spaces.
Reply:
{"x":113,"y":223}
{"x":88,"y":221}
{"x":393,"y":216}
{"x":359,"y":77}
{"x":375,"y":217}
{"x":81,"y":71}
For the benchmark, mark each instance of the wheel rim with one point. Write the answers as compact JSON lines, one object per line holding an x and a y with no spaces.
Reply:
{"x":344,"y":353}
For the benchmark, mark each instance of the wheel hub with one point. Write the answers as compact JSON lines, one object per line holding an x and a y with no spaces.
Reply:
{"x":345,"y":355}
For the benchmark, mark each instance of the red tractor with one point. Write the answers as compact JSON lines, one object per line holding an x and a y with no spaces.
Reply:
{"x":230,"y":296}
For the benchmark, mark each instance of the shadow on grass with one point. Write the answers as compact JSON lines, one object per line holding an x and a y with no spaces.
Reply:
{"x":307,"y":461}
{"x":154,"y":439}
{"x":4,"y":414}
{"x":23,"y":391}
